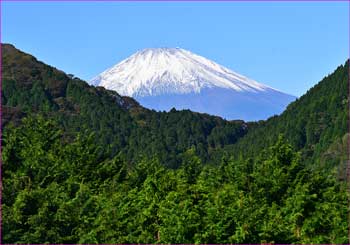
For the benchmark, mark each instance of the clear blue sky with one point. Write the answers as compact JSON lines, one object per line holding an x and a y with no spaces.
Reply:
{"x":287,"y":45}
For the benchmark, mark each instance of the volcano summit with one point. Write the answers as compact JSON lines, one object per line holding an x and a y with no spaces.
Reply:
{"x":163,"y":78}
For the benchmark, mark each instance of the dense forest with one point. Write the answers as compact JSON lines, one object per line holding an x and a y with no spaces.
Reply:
{"x":316,"y":124}
{"x":30,"y":86}
{"x":62,"y":192}
{"x":86,"y":165}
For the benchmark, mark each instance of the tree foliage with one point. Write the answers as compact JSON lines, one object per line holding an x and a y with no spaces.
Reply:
{"x":71,"y":192}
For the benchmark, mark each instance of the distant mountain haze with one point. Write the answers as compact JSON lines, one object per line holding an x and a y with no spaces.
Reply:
{"x":163,"y":78}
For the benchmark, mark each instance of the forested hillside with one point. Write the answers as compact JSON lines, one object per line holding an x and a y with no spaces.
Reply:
{"x":85,"y":165}
{"x":120,"y":123}
{"x":316,"y":124}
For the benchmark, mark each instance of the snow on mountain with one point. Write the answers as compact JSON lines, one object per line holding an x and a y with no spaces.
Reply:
{"x":162,"y":78}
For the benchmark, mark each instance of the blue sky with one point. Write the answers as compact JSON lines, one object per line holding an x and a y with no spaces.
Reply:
{"x":287,"y":45}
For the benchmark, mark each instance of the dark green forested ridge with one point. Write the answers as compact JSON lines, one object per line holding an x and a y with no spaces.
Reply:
{"x":120,"y":122}
{"x":316,"y":123}
{"x":86,"y":165}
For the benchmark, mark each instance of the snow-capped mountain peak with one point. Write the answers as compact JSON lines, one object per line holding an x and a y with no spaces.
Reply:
{"x":155,"y":71}
{"x":165,"y":78}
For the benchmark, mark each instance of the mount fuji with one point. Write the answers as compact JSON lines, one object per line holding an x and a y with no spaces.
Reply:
{"x":163,"y":78}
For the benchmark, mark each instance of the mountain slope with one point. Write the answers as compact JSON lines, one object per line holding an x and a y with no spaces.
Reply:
{"x":316,"y":123}
{"x":163,"y":78}
{"x":120,"y":123}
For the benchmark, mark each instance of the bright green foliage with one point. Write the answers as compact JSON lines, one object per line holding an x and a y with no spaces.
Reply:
{"x":60,"y":191}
